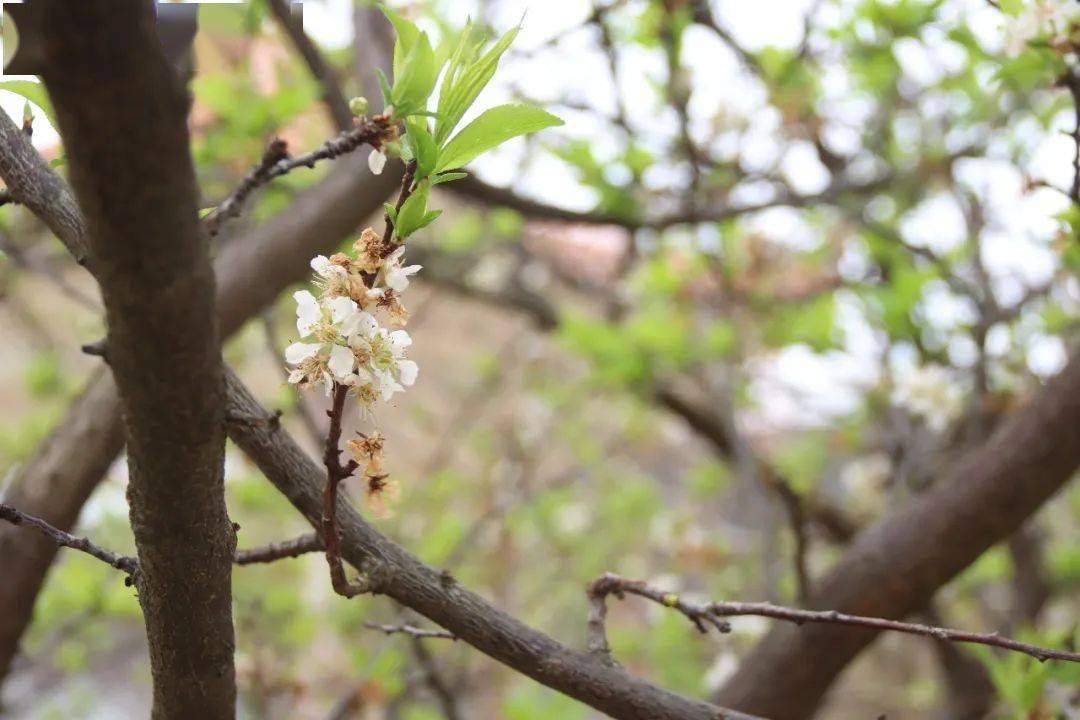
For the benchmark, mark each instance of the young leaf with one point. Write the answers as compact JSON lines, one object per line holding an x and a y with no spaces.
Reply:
{"x":429,"y":217}
{"x":422,"y":146}
{"x":448,"y":177}
{"x":34,"y":92}
{"x":456,"y":98}
{"x":493,"y":127}
{"x":384,"y":88}
{"x":414,"y":83}
{"x":391,"y":211}
{"x":413,"y":210}
{"x":406,"y":35}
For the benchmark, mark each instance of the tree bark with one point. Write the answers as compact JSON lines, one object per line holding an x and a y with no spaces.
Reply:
{"x":122,"y":113}
{"x":895,"y":566}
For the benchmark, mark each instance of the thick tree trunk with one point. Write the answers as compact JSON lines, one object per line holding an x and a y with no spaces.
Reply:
{"x":122,"y":112}
{"x":895,"y":566}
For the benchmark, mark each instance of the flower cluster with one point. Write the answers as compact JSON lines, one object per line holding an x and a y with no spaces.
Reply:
{"x":343,"y":344}
{"x":931,"y":393}
{"x":1052,"y":22}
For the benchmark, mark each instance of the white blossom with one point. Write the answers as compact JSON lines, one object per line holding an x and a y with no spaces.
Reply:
{"x":395,"y":276}
{"x":326,"y":357}
{"x":931,"y":393}
{"x":376,"y":161}
{"x":383,"y":369}
{"x":1048,"y":20}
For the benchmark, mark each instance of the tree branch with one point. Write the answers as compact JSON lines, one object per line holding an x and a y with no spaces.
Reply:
{"x":324,"y":73}
{"x":712,"y":613}
{"x":439,"y":597}
{"x":30,"y":182}
{"x":410,"y":630}
{"x":129,"y":565}
{"x":295,"y":547}
{"x":277,"y":162}
{"x":335,"y":473}
{"x":895,"y":566}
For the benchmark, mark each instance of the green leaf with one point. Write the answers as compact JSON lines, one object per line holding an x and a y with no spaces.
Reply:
{"x":448,"y":177}
{"x":492,"y":128}
{"x":422,"y":145}
{"x":429,"y":217}
{"x":416,"y":79}
{"x":35,"y":93}
{"x":465,"y":79}
{"x":391,"y":211}
{"x":384,"y":88}
{"x":407,"y":34}
{"x":1011,"y":7}
{"x":413,"y":211}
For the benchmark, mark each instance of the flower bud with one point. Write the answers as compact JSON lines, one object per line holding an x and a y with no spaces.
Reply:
{"x":359,"y":105}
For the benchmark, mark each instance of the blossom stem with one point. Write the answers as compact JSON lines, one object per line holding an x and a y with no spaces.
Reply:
{"x":335,"y":473}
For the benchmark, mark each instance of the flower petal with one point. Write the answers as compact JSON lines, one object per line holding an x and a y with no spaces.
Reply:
{"x":308,"y":312}
{"x":322,"y":265}
{"x":298,"y":352}
{"x":342,"y":361}
{"x":343,"y":312}
{"x":407,"y":372}
{"x":399,"y":340}
{"x":376,"y":161}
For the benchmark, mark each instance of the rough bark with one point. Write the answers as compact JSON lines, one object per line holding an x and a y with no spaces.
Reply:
{"x":122,"y":112}
{"x":895,"y":566}
{"x":439,"y":597}
{"x":32,"y":184}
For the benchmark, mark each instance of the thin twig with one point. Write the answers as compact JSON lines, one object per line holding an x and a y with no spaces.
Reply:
{"x":278,"y":550}
{"x":335,"y":473}
{"x":610,"y":584}
{"x":323,"y":71}
{"x":433,"y":678}
{"x":410,"y":630}
{"x":43,"y":267}
{"x":713,"y":613}
{"x":276,"y":162}
{"x":128,"y":564}
{"x":406,"y":190}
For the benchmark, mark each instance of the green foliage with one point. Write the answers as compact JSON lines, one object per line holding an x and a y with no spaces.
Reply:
{"x":33,"y":92}
{"x":43,"y":375}
{"x":466,"y":75}
{"x":812,"y":323}
{"x":492,"y":128}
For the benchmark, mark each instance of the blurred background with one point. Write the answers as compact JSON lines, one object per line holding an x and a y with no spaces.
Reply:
{"x":784,"y":260}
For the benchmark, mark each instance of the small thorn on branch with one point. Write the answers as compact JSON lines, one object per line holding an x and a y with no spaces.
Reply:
{"x":410,"y":630}
{"x":98,"y":348}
